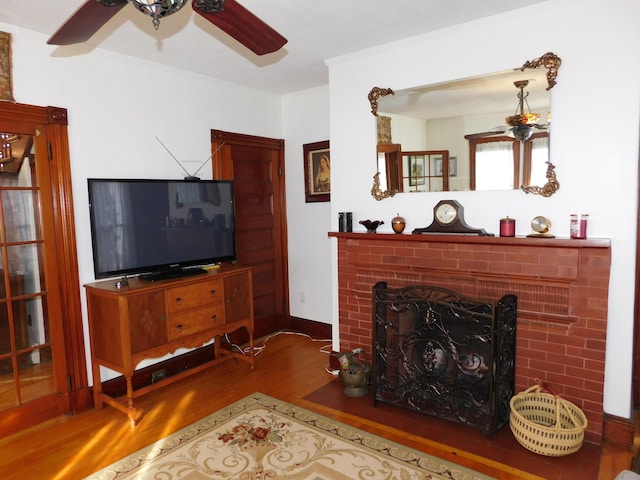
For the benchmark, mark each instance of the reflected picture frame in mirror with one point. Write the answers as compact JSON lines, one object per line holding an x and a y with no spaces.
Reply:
{"x":543,"y":72}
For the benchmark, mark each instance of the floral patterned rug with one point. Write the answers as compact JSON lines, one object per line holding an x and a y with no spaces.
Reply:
{"x":260,"y":438}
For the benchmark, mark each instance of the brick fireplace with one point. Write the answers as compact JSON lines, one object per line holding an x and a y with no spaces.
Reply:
{"x":562,"y":288}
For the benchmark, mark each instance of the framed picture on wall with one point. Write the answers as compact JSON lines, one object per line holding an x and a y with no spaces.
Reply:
{"x":317,"y":172}
{"x":453,"y":166}
{"x":384,"y":129}
{"x":6,"y":87}
{"x":417,"y":170}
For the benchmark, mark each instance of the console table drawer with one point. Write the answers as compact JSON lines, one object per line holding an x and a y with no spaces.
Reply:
{"x":180,"y":299}
{"x":183,"y":324}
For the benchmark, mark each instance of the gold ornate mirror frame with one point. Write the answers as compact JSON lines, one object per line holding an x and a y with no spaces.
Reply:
{"x":551,"y":62}
{"x":376,"y":192}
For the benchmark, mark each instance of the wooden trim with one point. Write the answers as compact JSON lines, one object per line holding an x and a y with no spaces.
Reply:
{"x":480,"y":239}
{"x":316,"y":330}
{"x":282,"y":231}
{"x":69,"y":281}
{"x":231,"y":138}
{"x":618,"y":431}
{"x":55,"y":120}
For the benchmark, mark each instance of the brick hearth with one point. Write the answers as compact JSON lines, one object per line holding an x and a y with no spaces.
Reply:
{"x":562,"y":287}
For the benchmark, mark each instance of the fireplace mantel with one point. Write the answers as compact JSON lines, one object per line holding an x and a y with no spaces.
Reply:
{"x":479,"y":239}
{"x":562,"y":286}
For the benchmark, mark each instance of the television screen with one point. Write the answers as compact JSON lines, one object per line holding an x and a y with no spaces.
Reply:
{"x":160,"y":228}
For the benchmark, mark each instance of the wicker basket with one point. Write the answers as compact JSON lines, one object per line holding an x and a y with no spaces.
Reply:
{"x":545,"y":423}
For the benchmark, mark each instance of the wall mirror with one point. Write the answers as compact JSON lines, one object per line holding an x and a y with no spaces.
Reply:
{"x":489,"y":132}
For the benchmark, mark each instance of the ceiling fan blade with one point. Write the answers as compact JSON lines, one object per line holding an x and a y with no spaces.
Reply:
{"x":244,"y":26}
{"x":471,"y":136}
{"x":86,"y":21}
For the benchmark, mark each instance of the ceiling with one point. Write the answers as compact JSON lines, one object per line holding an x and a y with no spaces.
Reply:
{"x":482,"y":95}
{"x":316,"y":31}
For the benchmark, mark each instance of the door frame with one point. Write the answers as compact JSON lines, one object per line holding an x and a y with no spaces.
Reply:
{"x":56,"y":120}
{"x":222,"y":168}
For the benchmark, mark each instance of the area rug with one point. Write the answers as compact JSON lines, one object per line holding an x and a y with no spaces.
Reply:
{"x":260,"y":437}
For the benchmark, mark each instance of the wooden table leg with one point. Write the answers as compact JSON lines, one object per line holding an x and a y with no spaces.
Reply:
{"x":131,"y":409}
{"x":97,"y":386}
{"x":252,"y":360}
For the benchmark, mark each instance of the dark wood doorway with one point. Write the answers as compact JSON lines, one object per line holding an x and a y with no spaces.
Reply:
{"x":256,"y":165}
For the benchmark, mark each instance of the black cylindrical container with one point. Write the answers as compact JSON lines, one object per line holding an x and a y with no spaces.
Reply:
{"x":345,"y":222}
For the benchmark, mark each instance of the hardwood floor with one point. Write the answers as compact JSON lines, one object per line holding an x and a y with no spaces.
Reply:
{"x":291,"y":368}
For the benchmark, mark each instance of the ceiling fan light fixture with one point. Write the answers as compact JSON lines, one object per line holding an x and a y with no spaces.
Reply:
{"x":523,"y":119}
{"x":522,"y":122}
{"x":522,"y":132}
{"x":157,"y":9}
{"x":209,"y":6}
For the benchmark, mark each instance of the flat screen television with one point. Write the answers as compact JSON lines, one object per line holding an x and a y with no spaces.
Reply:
{"x":160,"y":228}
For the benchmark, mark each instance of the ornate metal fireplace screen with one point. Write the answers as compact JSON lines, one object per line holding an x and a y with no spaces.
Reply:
{"x":444,"y":354}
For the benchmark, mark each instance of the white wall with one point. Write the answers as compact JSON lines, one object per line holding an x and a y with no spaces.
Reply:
{"x":117,"y":105}
{"x":306,"y":120}
{"x":595,"y":137}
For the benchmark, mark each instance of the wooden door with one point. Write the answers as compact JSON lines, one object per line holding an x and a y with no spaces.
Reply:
{"x":256,"y":166}
{"x":41,"y":347}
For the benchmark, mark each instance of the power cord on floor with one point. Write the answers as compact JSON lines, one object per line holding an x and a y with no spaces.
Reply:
{"x":258,"y":350}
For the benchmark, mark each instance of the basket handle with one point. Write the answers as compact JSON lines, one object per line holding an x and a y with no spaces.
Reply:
{"x":558,"y":426}
{"x":568,"y":410}
{"x":541,"y":386}
{"x":544,"y":386}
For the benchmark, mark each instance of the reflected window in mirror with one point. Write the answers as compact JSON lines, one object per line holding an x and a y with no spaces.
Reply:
{"x":390,"y":165}
{"x":536,"y":154}
{"x":496,"y":162}
{"x":425,"y":171}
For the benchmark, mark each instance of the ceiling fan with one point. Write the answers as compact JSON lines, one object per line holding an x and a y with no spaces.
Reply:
{"x":519,"y":125}
{"x":228,"y":15}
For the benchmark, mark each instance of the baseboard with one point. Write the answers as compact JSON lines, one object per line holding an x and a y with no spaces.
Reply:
{"x":81,"y":400}
{"x":618,"y":431}
{"x":143,"y":377}
{"x":316,"y":330}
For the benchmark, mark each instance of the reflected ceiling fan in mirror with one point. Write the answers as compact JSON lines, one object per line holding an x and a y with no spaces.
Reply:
{"x":521,"y":124}
{"x":228,"y":15}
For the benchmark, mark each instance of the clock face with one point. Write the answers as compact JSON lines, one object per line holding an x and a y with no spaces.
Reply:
{"x":446,"y":213}
{"x":540,"y":224}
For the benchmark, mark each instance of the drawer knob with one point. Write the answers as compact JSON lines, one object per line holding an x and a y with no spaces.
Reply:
{"x":213,"y":293}
{"x":179,"y":327}
{"x":179,"y":300}
{"x":214,"y":317}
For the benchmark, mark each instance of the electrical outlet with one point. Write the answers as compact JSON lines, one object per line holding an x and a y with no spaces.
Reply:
{"x":303,"y":297}
{"x":158,"y":375}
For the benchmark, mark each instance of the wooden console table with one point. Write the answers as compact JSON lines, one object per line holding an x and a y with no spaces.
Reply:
{"x":147,"y":319}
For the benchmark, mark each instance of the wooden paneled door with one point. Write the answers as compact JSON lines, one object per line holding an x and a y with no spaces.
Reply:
{"x":256,"y":166}
{"x":42,"y":362}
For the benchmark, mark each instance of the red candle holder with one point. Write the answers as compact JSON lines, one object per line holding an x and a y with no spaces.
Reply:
{"x":507,"y":227}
